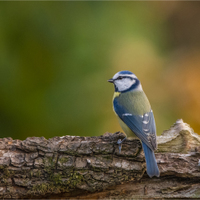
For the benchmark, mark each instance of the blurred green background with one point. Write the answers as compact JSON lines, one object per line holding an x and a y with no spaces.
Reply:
{"x":56,"y":58}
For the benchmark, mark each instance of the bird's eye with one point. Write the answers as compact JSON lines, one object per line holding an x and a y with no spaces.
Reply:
{"x":120,"y":77}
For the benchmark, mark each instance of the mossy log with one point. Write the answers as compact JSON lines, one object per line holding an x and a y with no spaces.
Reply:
{"x":91,"y":167}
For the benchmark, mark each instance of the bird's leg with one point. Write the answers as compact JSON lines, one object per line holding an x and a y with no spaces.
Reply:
{"x":119,"y":142}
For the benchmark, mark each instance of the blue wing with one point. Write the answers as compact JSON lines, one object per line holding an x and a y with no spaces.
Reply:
{"x":143,"y":126}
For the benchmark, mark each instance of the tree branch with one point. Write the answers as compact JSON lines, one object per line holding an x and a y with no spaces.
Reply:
{"x":91,"y":167}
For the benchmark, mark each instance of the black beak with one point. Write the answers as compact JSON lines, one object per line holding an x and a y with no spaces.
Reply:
{"x":111,"y":80}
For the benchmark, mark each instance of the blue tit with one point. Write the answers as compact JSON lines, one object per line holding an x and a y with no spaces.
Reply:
{"x":135,"y":115}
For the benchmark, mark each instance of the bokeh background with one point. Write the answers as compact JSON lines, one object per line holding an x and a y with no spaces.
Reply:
{"x":56,"y":58}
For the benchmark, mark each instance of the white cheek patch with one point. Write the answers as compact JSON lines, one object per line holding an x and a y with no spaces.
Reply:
{"x":124,"y":83}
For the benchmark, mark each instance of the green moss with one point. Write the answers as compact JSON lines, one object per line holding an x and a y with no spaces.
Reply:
{"x":67,"y":171}
{"x":40,"y":188}
{"x":126,"y":178}
{"x":57,"y":183}
{"x":38,"y":173}
{"x":63,"y":160}
{"x":5,"y":172}
{"x":31,"y":174}
{"x":1,"y":166}
{"x":64,"y":181}
{"x":5,"y":175}
{"x":49,"y":164}
{"x":44,"y":188}
{"x":56,"y":179}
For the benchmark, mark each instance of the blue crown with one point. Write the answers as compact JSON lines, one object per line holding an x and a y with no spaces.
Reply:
{"x":125,"y":72}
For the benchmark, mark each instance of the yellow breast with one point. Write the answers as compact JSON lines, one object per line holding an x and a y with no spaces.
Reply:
{"x":116,"y":94}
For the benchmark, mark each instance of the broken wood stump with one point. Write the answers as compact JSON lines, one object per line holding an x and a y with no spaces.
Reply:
{"x":91,"y":167}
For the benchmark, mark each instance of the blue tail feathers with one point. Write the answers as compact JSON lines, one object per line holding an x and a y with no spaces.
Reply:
{"x":151,"y":164}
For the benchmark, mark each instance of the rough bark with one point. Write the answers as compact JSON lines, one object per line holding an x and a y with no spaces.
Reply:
{"x":91,"y":167}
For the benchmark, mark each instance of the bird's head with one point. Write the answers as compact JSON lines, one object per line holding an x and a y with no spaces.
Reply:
{"x":125,"y":81}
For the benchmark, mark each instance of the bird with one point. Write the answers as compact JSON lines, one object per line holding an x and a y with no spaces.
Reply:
{"x":135,"y":116}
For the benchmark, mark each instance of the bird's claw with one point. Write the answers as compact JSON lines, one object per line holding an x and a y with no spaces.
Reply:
{"x":119,"y":142}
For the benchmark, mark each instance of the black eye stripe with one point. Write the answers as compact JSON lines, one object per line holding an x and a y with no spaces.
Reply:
{"x":121,"y":77}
